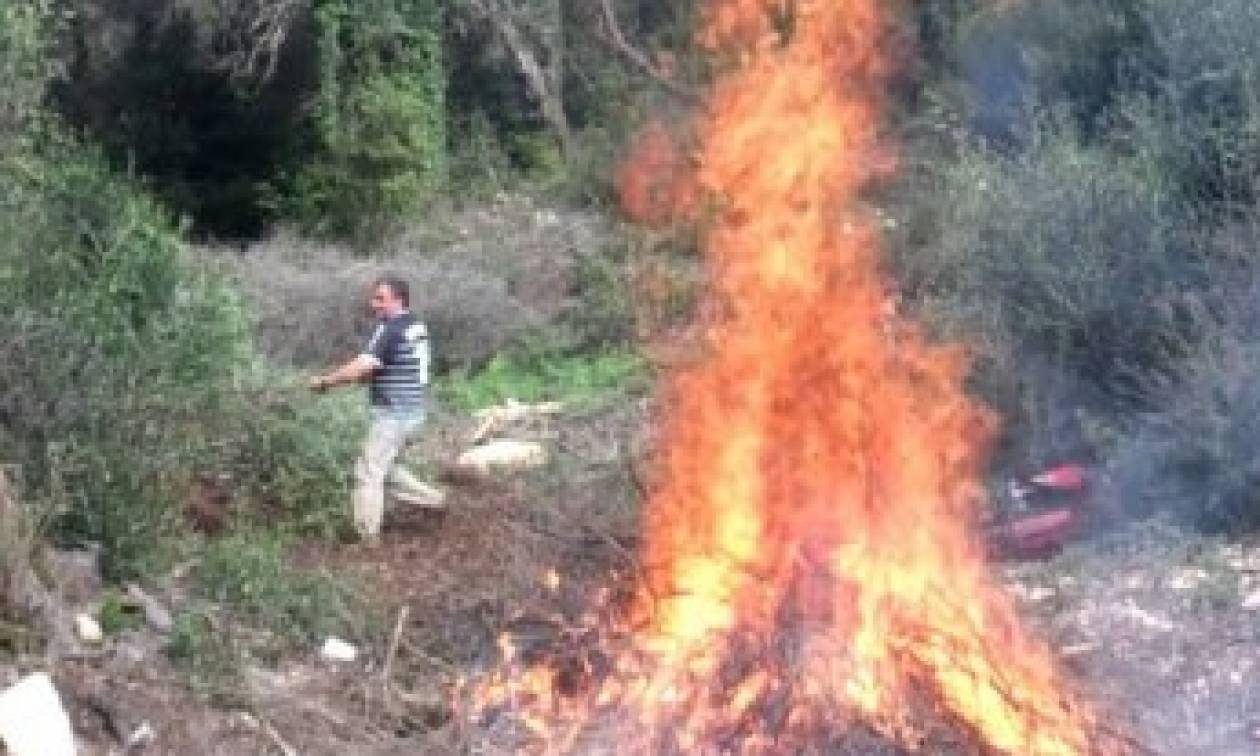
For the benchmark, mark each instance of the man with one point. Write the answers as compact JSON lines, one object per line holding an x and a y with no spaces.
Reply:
{"x":395,"y":363}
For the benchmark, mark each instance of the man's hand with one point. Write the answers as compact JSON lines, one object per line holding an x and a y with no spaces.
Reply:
{"x":358,"y":370}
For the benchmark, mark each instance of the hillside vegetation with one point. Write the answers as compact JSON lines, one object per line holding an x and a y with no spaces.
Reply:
{"x":193,"y":195}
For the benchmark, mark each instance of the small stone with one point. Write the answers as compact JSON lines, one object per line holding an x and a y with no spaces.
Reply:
{"x":1251,"y":601}
{"x":88,"y":629}
{"x":337,"y":650}
{"x":1187,"y":579}
{"x":141,"y":736}
{"x":158,"y":617}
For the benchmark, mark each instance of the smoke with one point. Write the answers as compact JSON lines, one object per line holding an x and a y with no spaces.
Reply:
{"x":999,"y":88}
{"x":1192,"y":452}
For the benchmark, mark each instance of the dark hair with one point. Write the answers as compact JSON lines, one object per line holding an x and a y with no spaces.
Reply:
{"x":397,"y":286}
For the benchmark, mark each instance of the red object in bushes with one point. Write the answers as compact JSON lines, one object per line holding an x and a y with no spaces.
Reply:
{"x":1063,"y":495}
{"x":1069,"y":477}
{"x":1035,"y":536}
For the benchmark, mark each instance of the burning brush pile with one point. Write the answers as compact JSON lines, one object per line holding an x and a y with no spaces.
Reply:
{"x":808,"y":564}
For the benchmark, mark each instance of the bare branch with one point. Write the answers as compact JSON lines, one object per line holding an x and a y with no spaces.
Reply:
{"x":541,"y":64}
{"x":242,"y":38}
{"x":614,"y":37}
{"x":254,"y":34}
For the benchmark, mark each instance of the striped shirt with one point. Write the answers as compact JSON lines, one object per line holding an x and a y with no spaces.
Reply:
{"x":399,"y":349}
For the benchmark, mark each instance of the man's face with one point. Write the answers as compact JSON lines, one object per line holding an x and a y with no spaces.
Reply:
{"x":384,"y":303}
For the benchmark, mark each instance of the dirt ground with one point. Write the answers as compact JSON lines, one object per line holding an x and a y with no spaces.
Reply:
{"x":1157,"y":625}
{"x":1162,"y":627}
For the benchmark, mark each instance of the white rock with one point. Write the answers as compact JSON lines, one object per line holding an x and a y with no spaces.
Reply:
{"x":337,"y":650}
{"x":88,"y":629}
{"x":1187,"y":579}
{"x":141,"y":736}
{"x":1252,"y":601}
{"x":32,"y":720}
{"x":505,"y":454}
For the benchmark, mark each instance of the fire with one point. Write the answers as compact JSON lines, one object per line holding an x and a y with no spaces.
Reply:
{"x":807,"y":545}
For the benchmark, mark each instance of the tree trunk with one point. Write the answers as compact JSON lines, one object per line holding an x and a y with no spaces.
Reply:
{"x":541,"y":63}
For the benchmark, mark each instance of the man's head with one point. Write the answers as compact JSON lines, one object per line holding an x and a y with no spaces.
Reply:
{"x":390,"y":296}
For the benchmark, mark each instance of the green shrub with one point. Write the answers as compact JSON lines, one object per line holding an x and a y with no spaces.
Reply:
{"x":288,"y":454}
{"x":603,"y":313}
{"x":129,"y":371}
{"x":1069,"y":268}
{"x":248,"y":574}
{"x":480,"y":164}
{"x":117,"y":613}
{"x":26,"y":66}
{"x":576,"y":379}
{"x":1193,"y":451}
{"x":209,"y":657}
{"x":380,"y":118}
{"x":249,"y":604}
{"x":116,"y":346}
{"x":1200,"y":121}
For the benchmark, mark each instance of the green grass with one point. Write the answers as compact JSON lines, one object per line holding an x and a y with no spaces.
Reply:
{"x":249,"y":573}
{"x":579,"y":379}
{"x":251,"y":605}
{"x":117,"y":614}
{"x":208,"y":656}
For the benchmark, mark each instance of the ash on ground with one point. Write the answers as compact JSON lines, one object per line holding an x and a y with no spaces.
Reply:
{"x":1162,"y":628}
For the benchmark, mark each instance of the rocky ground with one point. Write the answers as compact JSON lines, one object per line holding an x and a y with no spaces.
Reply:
{"x":1162,"y":627}
{"x":443,"y":585}
{"x":1158,"y":625}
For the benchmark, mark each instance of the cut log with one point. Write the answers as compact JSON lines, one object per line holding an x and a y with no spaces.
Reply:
{"x":508,"y":455}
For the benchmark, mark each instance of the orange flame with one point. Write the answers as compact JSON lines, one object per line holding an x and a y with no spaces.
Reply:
{"x":808,"y":541}
{"x":655,"y":185}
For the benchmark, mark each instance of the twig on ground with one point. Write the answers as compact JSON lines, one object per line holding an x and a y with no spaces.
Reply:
{"x":441,"y":664}
{"x":388,"y":668}
{"x":614,"y":36}
{"x":636,"y":479}
{"x":273,"y":735}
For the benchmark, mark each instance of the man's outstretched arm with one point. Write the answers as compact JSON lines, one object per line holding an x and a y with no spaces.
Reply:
{"x":357,"y":370}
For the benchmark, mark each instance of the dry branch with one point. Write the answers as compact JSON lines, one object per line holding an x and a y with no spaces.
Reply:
{"x":617,"y":40}
{"x":21,"y":593}
{"x":273,"y":735}
{"x":538,"y":49}
{"x":387,"y":669}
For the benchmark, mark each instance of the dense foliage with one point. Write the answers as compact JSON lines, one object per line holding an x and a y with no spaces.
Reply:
{"x":1077,"y":203}
{"x":379,"y":123}
{"x":127,"y":367}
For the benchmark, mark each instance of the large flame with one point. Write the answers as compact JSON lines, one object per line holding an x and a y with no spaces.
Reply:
{"x":808,"y":555}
